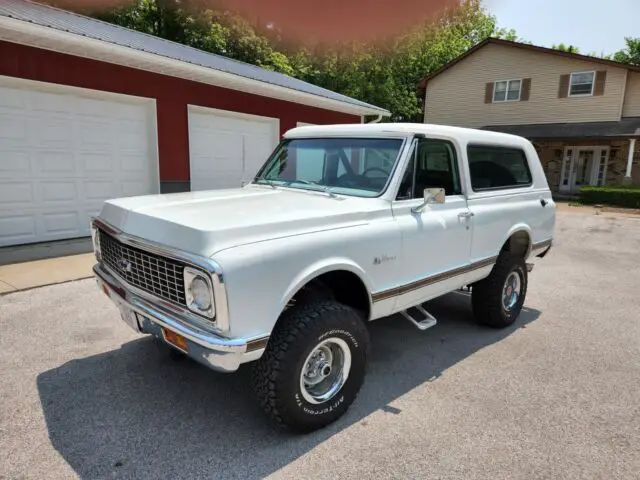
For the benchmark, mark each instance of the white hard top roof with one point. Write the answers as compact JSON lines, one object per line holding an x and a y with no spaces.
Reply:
{"x":402,"y":130}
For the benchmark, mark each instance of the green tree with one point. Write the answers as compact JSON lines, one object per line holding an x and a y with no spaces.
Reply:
{"x":385,"y":73}
{"x":192,"y":23}
{"x":631,"y":54}
{"x":566,"y":48}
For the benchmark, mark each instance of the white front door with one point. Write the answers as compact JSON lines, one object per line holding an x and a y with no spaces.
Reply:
{"x":436,"y":241}
{"x":228,"y":148}
{"x":583,"y":166}
{"x":63,"y":152}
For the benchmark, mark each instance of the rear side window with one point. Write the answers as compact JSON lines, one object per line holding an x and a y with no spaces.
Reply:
{"x":494,"y":168}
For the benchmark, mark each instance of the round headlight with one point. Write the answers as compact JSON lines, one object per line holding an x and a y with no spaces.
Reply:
{"x":200,"y":294}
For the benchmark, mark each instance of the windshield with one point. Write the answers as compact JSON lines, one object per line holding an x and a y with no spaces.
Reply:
{"x":350,"y":166}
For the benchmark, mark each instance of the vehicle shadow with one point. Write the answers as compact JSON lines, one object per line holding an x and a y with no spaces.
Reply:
{"x":135,"y":413}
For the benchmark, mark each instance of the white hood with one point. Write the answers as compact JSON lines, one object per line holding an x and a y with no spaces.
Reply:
{"x":206,"y":222}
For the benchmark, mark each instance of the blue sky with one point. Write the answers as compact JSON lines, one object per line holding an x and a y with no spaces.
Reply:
{"x":592,"y":25}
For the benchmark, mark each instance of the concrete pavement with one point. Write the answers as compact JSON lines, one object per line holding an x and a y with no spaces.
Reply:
{"x":555,"y":396}
{"x":38,"y":273}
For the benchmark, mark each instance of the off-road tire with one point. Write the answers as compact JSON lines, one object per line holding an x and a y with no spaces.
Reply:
{"x":486,"y":295}
{"x":276,"y":375}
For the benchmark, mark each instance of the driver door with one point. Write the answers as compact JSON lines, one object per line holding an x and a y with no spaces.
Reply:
{"x":436,"y":240}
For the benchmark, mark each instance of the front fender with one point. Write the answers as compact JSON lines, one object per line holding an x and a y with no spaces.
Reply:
{"x":321,"y":267}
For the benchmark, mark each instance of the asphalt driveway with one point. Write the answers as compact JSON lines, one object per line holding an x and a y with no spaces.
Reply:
{"x":556,"y":396}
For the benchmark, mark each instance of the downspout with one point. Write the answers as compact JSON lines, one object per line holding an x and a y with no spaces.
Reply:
{"x":377,"y":119}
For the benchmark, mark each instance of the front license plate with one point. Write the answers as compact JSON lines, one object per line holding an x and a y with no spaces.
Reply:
{"x":129,"y":317}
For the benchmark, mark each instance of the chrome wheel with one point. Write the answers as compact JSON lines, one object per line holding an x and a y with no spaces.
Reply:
{"x":511,"y":291}
{"x":325,"y":370}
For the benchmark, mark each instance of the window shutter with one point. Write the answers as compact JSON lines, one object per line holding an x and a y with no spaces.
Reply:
{"x":601,"y":79}
{"x":488,"y":93}
{"x":563,"y":91}
{"x":526,"y":90}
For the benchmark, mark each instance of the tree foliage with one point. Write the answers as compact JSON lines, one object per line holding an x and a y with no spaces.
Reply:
{"x":383,"y":73}
{"x":631,"y":54}
{"x":566,"y":48}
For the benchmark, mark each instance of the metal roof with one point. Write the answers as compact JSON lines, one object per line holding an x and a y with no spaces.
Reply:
{"x":47,"y":16}
{"x":627,"y":127}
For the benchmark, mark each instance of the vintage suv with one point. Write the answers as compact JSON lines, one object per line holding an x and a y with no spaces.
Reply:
{"x":344,"y":224}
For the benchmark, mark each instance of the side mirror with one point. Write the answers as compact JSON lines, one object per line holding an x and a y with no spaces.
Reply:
{"x":432,"y":196}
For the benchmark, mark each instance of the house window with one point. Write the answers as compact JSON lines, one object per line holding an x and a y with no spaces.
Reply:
{"x":581,"y":83}
{"x":507,"y":91}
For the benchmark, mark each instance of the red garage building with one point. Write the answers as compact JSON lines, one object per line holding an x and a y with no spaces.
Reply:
{"x":90,"y":111}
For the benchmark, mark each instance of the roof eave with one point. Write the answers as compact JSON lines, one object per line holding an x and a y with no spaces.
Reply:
{"x":26,"y":33}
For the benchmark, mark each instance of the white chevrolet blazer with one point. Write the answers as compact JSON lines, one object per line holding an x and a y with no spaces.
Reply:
{"x":344,"y":224}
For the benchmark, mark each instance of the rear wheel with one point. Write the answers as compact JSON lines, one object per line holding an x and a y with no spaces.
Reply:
{"x":498,"y":299}
{"x":314,"y":365}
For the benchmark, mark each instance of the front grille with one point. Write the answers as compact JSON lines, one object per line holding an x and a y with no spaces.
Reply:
{"x":152,"y":273}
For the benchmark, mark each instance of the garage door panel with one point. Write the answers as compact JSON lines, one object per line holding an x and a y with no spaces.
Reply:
{"x":93,"y":107}
{"x":51,"y":132}
{"x":133,"y":165}
{"x":255,"y":155}
{"x":13,"y":129}
{"x":56,"y":192}
{"x":13,"y":163}
{"x":54,"y":163}
{"x":47,"y":102}
{"x":14,"y":99}
{"x":94,"y":135}
{"x":60,"y":223}
{"x":17,"y":229}
{"x":131,"y":188}
{"x":96,"y":164}
{"x":132,"y":136}
{"x":226,"y":150}
{"x":15,"y":194}
{"x":63,"y":154}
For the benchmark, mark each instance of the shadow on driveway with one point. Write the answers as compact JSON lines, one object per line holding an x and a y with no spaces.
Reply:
{"x":135,"y":413}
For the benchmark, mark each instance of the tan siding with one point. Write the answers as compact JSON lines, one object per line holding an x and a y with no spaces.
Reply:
{"x":631,"y":106}
{"x":456,"y":96}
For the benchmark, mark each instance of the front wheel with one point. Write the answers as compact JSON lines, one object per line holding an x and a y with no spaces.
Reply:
{"x":498,"y":299}
{"x":314,"y":365}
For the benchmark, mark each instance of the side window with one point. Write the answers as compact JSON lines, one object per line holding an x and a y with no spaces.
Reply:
{"x":405,"y":191}
{"x":434,"y":165}
{"x":497,"y":167}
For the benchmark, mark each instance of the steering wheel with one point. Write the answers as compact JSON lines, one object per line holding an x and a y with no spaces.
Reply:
{"x":375,"y":168}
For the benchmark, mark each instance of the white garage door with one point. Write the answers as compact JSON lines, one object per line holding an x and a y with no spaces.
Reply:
{"x":226,"y":148}
{"x":63,"y":151}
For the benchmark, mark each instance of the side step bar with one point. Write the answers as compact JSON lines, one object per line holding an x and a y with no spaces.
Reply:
{"x":419,"y":317}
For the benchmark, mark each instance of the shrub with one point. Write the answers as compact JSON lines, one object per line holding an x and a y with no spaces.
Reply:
{"x":619,"y":196}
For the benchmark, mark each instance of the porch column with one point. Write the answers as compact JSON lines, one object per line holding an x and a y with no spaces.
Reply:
{"x":632,"y":148}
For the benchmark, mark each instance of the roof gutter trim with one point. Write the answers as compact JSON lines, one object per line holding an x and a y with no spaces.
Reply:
{"x":33,"y":35}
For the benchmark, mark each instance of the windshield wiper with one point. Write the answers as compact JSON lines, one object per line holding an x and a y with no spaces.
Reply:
{"x":324,"y":188}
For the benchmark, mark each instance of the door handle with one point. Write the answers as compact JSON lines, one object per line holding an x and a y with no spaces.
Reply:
{"x":466,"y":214}
{"x":543,"y":202}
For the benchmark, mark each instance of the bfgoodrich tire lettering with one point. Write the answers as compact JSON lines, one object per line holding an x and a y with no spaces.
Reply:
{"x":277,"y":375}
{"x":487,"y":295}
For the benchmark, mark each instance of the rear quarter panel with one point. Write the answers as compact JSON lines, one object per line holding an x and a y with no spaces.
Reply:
{"x":501,"y":213}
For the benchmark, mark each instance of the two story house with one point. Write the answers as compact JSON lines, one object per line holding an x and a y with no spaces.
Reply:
{"x":582,"y":113}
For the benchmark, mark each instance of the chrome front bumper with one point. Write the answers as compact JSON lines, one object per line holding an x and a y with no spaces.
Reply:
{"x":214,"y":351}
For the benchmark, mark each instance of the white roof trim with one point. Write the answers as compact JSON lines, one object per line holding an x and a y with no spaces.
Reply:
{"x":25,"y":33}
